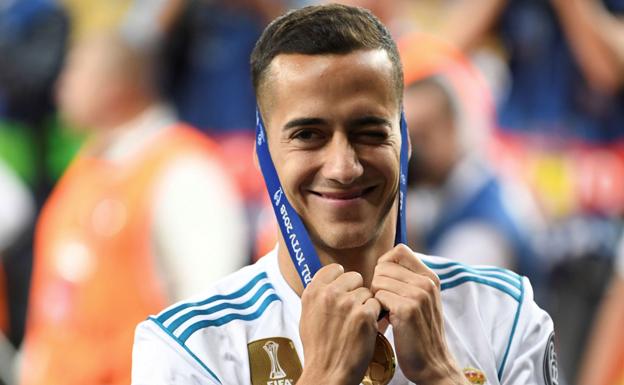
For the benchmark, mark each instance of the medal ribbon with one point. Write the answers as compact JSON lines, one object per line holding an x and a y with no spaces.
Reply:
{"x":300,"y":247}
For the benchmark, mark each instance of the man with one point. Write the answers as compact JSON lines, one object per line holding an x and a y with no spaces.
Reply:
{"x":146,"y":195}
{"x":459,"y":208}
{"x":329,"y":85}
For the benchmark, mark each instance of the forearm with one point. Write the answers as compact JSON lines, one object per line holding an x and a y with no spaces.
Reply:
{"x":466,"y":22}
{"x":604,"y":355}
{"x":596,"y":39}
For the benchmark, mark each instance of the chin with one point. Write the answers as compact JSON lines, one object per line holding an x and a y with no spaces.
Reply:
{"x":343,"y":239}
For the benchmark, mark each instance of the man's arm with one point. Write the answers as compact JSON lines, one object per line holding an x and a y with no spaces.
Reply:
{"x":17,"y":207}
{"x":530,"y":357}
{"x":158,"y":359}
{"x":596,"y":38}
{"x":604,"y":356}
{"x":200,"y":232}
{"x":466,"y":22}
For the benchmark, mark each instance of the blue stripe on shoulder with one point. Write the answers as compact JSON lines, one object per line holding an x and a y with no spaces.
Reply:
{"x":497,"y":274}
{"x":484,"y":281}
{"x":511,"y":335}
{"x":433,"y":265}
{"x":222,"y":306}
{"x":163,"y":317}
{"x":228,"y":318}
{"x":212,"y":374}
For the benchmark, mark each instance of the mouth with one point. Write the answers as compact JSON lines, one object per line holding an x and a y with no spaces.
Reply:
{"x":344,"y":195}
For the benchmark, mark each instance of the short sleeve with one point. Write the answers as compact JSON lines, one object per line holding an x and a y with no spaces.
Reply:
{"x":530,"y":357}
{"x":159,"y":359}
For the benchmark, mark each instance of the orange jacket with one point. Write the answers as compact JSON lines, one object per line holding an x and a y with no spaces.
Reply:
{"x":95,"y":275}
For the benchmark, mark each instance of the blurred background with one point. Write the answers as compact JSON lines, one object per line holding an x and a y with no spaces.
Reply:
{"x":127,"y":179}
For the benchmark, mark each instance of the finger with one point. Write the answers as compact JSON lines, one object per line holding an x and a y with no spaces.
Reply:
{"x":361,"y":295}
{"x":372,"y":307}
{"x":407,"y":258}
{"x":401,"y":273}
{"x":327,"y":274}
{"x":401,"y":307}
{"x":418,"y":285}
{"x":349,"y":281}
{"x":389,"y":301}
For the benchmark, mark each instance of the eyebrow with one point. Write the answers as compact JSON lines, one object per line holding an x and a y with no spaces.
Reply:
{"x":370,"y":120}
{"x":304,"y":122}
{"x":360,"y":121}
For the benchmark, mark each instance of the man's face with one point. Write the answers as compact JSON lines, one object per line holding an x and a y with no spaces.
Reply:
{"x":433,"y":135}
{"x":87,"y":89}
{"x":333,"y":132}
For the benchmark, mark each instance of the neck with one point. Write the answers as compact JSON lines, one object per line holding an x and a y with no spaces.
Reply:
{"x":362,"y":259}
{"x":108,"y":132}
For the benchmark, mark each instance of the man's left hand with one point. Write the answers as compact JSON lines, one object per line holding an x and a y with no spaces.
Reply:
{"x":410,"y":292}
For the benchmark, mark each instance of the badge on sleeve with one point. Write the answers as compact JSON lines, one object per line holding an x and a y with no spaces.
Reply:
{"x":551,"y":372}
{"x":475,"y":376}
{"x":273,"y":361}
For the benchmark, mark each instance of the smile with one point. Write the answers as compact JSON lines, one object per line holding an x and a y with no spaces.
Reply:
{"x":345,"y":195}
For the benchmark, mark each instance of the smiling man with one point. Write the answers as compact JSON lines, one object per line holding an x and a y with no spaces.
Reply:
{"x":340,"y":296}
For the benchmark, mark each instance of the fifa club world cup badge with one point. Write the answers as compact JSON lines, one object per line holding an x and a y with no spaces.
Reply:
{"x":273,"y":361}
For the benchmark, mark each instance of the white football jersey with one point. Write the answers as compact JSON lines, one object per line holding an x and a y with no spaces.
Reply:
{"x":247,"y":326}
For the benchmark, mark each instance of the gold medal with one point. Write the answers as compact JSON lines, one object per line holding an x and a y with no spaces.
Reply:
{"x":381,"y":368}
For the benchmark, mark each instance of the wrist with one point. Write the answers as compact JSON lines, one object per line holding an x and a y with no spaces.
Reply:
{"x":444,"y":375}
{"x":311,"y":376}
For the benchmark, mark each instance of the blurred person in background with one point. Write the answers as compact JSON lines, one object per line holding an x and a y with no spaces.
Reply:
{"x":564,"y":104}
{"x":32,"y":43}
{"x":17,"y":209}
{"x":566,"y":62}
{"x":460,"y":208}
{"x":145,"y":195}
{"x":603,"y":359}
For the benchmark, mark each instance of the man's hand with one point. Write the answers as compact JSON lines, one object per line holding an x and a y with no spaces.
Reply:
{"x":410,"y":292}
{"x":338,"y":327}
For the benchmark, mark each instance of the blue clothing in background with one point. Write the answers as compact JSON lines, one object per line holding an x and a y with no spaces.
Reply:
{"x":210,"y":82}
{"x":548,"y":93}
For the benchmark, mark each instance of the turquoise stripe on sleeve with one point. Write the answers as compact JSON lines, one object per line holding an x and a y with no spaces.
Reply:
{"x":499,"y":286}
{"x":212,"y":374}
{"x":496,"y":274}
{"x":433,"y":265}
{"x":222,"y":306}
{"x":163,"y":317}
{"x":228,"y":318}
{"x":511,"y":336}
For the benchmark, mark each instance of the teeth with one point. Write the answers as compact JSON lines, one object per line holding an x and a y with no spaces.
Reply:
{"x":343,"y":196}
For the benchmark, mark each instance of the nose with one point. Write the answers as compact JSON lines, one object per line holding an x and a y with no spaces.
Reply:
{"x":342,"y":163}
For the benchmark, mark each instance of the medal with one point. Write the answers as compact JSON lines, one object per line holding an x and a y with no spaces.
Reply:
{"x":302,"y":252}
{"x":381,"y":368}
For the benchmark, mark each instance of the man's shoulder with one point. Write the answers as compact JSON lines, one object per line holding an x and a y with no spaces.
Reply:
{"x":241,"y":296}
{"x":205,"y":331}
{"x":457,"y":278}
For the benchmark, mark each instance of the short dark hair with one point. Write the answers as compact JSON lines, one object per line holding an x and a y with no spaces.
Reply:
{"x":323,"y":29}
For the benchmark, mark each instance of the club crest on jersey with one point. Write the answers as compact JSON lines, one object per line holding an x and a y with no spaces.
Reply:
{"x":273,"y":361}
{"x":475,"y":376}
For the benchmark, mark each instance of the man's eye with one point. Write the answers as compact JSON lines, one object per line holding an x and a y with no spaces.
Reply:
{"x":373,"y":135}
{"x":306,"y":134}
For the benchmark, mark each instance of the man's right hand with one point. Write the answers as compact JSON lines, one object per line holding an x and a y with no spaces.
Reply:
{"x":338,"y":327}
